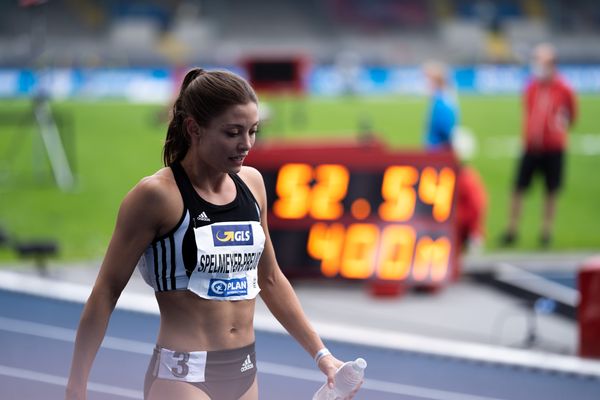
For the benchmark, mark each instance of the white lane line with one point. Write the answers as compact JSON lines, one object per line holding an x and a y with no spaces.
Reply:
{"x":459,"y":350}
{"x":369,"y":384}
{"x":138,"y":347}
{"x":68,"y":335}
{"x":60,"y":381}
{"x":40,"y":286}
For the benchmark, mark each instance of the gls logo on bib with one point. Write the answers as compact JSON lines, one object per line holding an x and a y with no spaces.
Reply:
{"x":232,"y":235}
{"x":228,"y":287}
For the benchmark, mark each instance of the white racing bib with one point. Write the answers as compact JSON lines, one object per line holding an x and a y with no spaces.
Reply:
{"x":182,"y":366}
{"x":228,"y":256}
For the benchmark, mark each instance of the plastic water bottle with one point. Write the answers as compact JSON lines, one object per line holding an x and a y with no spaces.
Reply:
{"x":347,"y":378}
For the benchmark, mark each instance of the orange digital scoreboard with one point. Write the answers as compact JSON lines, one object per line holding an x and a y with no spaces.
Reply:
{"x":360,"y":211}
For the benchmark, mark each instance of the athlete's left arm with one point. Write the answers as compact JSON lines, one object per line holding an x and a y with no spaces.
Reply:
{"x":277,"y":292}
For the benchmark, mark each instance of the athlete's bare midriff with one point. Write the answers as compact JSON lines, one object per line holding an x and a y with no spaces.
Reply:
{"x":191,"y":323}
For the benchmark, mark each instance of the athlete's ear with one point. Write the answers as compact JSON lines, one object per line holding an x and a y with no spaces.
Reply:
{"x":192,"y":127}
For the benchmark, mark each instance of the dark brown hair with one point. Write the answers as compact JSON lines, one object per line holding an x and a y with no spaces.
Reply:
{"x":203,"y":96}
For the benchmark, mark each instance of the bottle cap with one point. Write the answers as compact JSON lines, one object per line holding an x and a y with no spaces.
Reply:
{"x":359,"y":364}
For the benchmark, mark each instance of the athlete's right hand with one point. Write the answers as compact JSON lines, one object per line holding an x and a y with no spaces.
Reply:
{"x":329,"y":366}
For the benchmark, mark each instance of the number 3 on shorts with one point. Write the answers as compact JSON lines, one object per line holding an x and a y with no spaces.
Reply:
{"x":183,"y":369}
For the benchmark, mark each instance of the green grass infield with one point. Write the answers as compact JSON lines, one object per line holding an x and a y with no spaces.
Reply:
{"x":114,"y":144}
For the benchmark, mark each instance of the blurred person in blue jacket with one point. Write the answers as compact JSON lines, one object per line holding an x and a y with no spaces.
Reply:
{"x":443,"y":109}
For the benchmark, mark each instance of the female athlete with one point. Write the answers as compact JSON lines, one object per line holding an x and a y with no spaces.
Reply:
{"x":197,"y":231}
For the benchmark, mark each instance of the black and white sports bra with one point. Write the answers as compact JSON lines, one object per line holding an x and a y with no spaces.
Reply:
{"x":213,"y":250}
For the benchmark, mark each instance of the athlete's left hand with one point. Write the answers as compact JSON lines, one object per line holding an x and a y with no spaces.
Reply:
{"x":329,"y":366}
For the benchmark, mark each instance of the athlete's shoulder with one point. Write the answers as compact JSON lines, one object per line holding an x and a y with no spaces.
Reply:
{"x":254,"y":180}
{"x":151,"y":203}
{"x":155,"y":188}
{"x":250,"y":175}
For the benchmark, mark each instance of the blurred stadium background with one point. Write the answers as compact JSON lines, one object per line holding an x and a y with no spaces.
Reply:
{"x":110,"y":67}
{"x":108,"y":70}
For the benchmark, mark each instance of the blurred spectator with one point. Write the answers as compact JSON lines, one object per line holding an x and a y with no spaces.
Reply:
{"x":443,"y":108}
{"x":471,"y":209}
{"x":444,"y":134}
{"x":471,"y":203}
{"x":550,"y":109}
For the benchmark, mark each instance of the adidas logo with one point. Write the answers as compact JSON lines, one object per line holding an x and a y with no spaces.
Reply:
{"x":203,"y":217}
{"x":247,"y":364}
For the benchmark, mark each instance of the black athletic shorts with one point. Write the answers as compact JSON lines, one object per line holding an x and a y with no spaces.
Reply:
{"x":221,"y":374}
{"x":549,"y":164}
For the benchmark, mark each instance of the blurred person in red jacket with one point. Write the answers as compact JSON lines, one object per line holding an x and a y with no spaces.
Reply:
{"x":471,"y":203}
{"x":471,"y":209}
{"x":550,"y":110}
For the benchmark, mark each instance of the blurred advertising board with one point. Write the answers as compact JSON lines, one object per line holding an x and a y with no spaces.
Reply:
{"x":158,"y":84}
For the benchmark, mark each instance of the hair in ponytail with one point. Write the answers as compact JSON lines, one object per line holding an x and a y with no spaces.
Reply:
{"x":203,"y":96}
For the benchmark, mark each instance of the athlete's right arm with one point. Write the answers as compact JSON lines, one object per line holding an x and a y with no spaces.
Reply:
{"x":139,"y":219}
